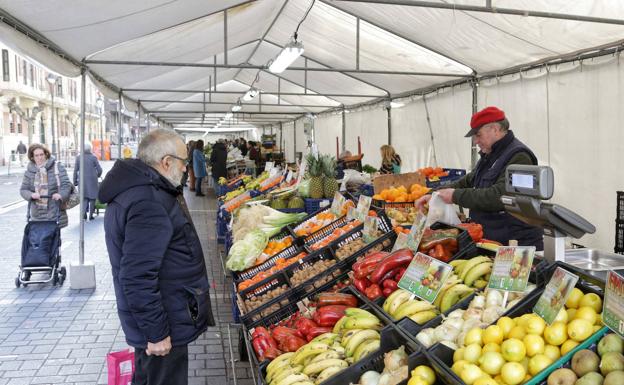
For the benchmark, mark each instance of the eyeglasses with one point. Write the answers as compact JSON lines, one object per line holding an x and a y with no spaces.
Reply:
{"x":185,"y":161}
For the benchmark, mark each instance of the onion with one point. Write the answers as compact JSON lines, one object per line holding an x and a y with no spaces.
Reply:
{"x":457,"y":323}
{"x":456,"y":314}
{"x":395,"y":359}
{"x":473,"y":313}
{"x":491,"y":314}
{"x":494,"y":299}
{"x":471,"y":324}
{"x":512,"y":303}
{"x":446,"y":332}
{"x":450,"y":344}
{"x":370,"y":378}
{"x":425,"y":339}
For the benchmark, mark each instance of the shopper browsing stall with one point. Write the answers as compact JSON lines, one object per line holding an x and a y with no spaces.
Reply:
{"x":390,"y":160}
{"x":481,"y":189}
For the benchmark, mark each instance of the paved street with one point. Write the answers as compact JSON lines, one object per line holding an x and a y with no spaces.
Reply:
{"x":55,"y":335}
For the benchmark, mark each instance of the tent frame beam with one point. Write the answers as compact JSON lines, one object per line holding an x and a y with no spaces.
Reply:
{"x":266,"y":68}
{"x":243,"y":103}
{"x":489,"y":9}
{"x":324,"y":95}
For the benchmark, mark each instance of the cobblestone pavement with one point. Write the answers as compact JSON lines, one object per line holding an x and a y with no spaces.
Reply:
{"x":55,"y":335}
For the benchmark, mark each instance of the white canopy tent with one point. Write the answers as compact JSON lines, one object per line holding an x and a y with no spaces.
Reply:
{"x":552,"y":65}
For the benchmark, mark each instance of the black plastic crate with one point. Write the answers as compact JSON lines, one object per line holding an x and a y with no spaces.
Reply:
{"x":454,"y":175}
{"x":619,"y":237}
{"x":293,"y":226}
{"x":289,"y":252}
{"x":314,"y":282}
{"x":383,"y":243}
{"x":464,"y":240}
{"x":277,"y":280}
{"x":620,"y":206}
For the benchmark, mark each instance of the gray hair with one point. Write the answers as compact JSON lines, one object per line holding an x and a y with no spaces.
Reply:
{"x":157,"y":144}
{"x":504,"y":124}
{"x":87,"y":147}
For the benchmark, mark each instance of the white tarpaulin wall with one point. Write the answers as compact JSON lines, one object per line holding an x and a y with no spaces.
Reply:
{"x":371,"y":127}
{"x":288,"y":133}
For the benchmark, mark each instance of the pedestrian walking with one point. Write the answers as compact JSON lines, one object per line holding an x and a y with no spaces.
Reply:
{"x":218,"y":160}
{"x":46,"y":184}
{"x":158,"y":267}
{"x":199,"y":166}
{"x":190,"y":147}
{"x":92,"y":171}
{"x":21,"y":153}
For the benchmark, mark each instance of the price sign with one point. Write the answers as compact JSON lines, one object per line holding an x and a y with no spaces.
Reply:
{"x":369,"y":233}
{"x":416,"y":232}
{"x":289,"y":176}
{"x":511,"y":269}
{"x":268,"y":166}
{"x":425,"y":277}
{"x":400,"y":243}
{"x":363,"y":207}
{"x":302,"y":170}
{"x":613,"y":306}
{"x":337,"y":204}
{"x":555,"y":295}
{"x":351,"y":214}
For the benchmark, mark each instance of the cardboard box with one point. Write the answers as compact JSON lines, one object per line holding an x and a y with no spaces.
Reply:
{"x":383,"y":182}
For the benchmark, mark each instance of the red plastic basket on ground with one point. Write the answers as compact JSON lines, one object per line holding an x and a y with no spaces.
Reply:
{"x":120,"y":367}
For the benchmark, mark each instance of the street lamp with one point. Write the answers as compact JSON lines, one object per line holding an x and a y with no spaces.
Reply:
{"x":100,"y":103}
{"x":52,"y":80}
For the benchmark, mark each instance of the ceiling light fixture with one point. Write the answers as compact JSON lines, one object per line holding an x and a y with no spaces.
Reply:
{"x":396,"y":104}
{"x":289,"y":54}
{"x":237,"y":107}
{"x":228,"y":116}
{"x":249,"y":95}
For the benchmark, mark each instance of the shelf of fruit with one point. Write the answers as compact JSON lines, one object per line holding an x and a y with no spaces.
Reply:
{"x":334,"y":235}
{"x":401,"y":194}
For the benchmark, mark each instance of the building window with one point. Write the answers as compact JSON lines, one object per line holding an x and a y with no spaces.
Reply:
{"x":11,"y":125}
{"x":19,"y":124}
{"x":25,"y":71}
{"x":59,"y":88}
{"x":32,"y":75}
{"x":5,"y":65}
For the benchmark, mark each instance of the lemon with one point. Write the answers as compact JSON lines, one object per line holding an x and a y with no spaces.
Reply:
{"x":513,"y":373}
{"x":417,"y":381}
{"x":538,"y":363}
{"x":485,"y":381}
{"x":491,"y":347}
{"x":513,"y":350}
{"x":574,"y":299}
{"x":493,"y":334}
{"x":474,"y":336}
{"x":534,"y":344}
{"x":491,"y":363}
{"x":591,"y":300}
{"x":535,"y":325}
{"x":567,"y":346}
{"x":470,"y":374}
{"x":426,"y":373}
{"x":459,"y":366}
{"x":472,"y":353}
{"x":522,"y":320}
{"x":571,"y":314}
{"x":458,"y":355}
{"x":517,"y":332}
{"x":556,"y":334}
{"x":587,"y":313}
{"x":580,"y":329}
{"x":506,"y":324}
{"x":552,"y":352}
{"x":562,"y":316}
{"x":596,"y":328}
{"x":525,"y":363}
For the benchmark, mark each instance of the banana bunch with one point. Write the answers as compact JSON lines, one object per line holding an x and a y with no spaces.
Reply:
{"x":222,"y":181}
{"x":353,"y":337}
{"x":474,"y":272}
{"x":247,"y":179}
{"x":399,"y":305}
{"x":451,"y":293}
{"x":233,"y":194}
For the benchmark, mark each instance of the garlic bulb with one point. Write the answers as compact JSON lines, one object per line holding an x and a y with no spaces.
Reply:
{"x":446,"y":332}
{"x":457,"y":323}
{"x":426,"y":337}
{"x":491,"y":314}
{"x":471,"y":324}
{"x":473,"y":313}
{"x":370,"y":378}
{"x":494,"y":298}
{"x":456,"y":314}
{"x":451,"y":345}
{"x":478,"y":302}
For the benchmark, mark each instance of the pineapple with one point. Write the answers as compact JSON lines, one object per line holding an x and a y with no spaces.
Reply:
{"x":330,"y":184}
{"x":315,"y":172}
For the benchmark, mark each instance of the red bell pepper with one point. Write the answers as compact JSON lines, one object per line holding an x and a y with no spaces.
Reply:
{"x":361,"y":284}
{"x":399,"y":275}
{"x":329,"y":315}
{"x":387,"y":292}
{"x":362,"y":269}
{"x":325,"y":299}
{"x":292,"y":343}
{"x":260,"y":332}
{"x":373,"y":292}
{"x":303,"y":325}
{"x":281,"y":332}
{"x":317,"y":331}
{"x":390,"y":284}
{"x":389,"y":275}
{"x":399,"y":258}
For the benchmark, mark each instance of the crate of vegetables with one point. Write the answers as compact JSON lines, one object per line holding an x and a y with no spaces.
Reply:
{"x":311,"y":352}
{"x":443,"y":242}
{"x":400,"y":198}
{"x":320,"y":224}
{"x":524,"y":337}
{"x":352,"y":246}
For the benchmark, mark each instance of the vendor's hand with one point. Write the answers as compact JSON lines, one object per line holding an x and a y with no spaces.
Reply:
{"x":35,"y":196}
{"x":57,"y":196}
{"x":446,"y":194}
{"x":422,"y":201}
{"x":161,"y":348}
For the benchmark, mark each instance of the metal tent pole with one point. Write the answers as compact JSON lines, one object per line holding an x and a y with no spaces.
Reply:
{"x":120,"y":125}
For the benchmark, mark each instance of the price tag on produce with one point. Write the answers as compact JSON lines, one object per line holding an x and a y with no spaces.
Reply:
{"x":416,"y":232}
{"x":338,"y":202}
{"x":555,"y":295}
{"x":425,"y":277}
{"x":351,"y":213}
{"x":613,"y":306}
{"x":400,"y":243}
{"x":268,"y":166}
{"x":369,"y":233}
{"x":302,"y":170}
{"x":511,"y":269}
{"x":324,"y":203}
{"x":289,"y":176}
{"x":363,"y":207}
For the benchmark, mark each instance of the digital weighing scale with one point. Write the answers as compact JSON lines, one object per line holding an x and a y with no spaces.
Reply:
{"x":527,"y":187}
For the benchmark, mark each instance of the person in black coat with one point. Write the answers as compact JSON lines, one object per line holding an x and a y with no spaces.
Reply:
{"x":158,"y":267}
{"x":92,"y":172}
{"x":218,"y":160}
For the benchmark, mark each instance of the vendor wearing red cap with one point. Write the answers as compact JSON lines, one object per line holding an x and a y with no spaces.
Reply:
{"x":481,"y":189}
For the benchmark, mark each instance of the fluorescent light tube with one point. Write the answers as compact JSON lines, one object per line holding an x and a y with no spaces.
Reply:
{"x":289,"y":54}
{"x":396,"y":104}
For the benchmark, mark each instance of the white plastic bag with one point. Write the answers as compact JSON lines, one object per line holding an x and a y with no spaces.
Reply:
{"x":439,"y":211}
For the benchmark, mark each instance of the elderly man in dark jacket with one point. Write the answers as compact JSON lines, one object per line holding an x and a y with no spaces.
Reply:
{"x":92,"y":172}
{"x":157,"y":260}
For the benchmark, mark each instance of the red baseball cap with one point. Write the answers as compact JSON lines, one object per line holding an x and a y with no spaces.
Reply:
{"x":485,"y":116}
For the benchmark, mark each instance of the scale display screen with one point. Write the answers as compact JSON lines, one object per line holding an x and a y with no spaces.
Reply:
{"x":522,"y":180}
